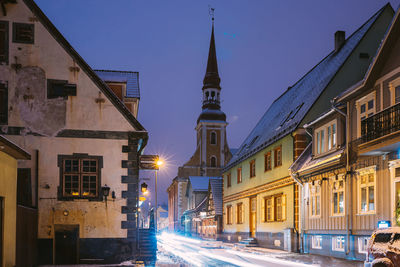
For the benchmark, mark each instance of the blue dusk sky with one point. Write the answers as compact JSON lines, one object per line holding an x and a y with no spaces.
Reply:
{"x":263,"y":47}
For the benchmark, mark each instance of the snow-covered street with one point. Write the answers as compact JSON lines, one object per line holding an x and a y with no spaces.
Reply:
{"x":196,"y":252}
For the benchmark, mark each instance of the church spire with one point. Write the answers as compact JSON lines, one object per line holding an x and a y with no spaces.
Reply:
{"x":211,"y":79}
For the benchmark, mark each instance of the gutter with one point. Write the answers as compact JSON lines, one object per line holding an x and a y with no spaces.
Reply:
{"x":349,"y":208}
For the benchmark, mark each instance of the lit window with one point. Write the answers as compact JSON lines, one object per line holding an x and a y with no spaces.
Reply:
{"x":338,"y":243}
{"x":338,"y":190}
{"x":315,"y":200}
{"x":252,"y":168}
{"x":80,"y":176}
{"x":366,"y":191}
{"x":363,"y":244}
{"x":316,"y":242}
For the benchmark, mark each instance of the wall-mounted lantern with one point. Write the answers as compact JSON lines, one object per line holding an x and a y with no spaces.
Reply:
{"x":143,"y":188}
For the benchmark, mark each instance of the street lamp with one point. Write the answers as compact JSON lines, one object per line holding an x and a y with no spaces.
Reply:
{"x":158,"y":165}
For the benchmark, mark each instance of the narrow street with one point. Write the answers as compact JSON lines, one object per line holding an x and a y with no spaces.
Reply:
{"x":196,"y":252}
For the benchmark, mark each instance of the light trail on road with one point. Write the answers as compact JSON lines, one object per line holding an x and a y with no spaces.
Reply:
{"x":206,"y":253}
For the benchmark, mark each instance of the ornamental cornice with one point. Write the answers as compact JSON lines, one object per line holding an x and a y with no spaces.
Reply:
{"x":260,"y":189}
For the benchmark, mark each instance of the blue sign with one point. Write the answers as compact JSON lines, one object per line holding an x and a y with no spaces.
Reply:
{"x":383,"y":224}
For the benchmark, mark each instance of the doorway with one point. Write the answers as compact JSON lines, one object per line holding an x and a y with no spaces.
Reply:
{"x":253,"y":216}
{"x":66,"y":244}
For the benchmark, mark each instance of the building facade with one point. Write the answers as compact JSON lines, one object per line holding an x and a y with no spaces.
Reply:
{"x":350,"y":172}
{"x":85,"y":139}
{"x":9,"y":156}
{"x":261,"y":198}
{"x":212,"y":151}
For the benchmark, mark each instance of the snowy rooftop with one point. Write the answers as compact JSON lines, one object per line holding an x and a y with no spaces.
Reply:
{"x":216,"y":190}
{"x":131,"y":79}
{"x":288,"y":110}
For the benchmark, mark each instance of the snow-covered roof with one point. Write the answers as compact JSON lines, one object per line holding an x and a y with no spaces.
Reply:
{"x":216,"y":191}
{"x":199,"y":183}
{"x":288,"y":110}
{"x":131,"y":78}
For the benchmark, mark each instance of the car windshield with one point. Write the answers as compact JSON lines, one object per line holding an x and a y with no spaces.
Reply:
{"x":382,"y":238}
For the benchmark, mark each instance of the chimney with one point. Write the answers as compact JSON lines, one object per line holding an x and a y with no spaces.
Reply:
{"x":340,"y":38}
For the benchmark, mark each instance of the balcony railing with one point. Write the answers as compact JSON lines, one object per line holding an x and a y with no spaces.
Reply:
{"x":381,"y":124}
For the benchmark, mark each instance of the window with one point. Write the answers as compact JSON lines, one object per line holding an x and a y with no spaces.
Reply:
{"x":80,"y":176}
{"x":366,"y":190}
{"x":397,"y":94}
{"x":363,"y":244}
{"x":338,"y":185}
{"x":213,"y":161}
{"x":275,"y":208}
{"x":4,"y":42}
{"x":228,"y":180}
{"x":315,"y":200}
{"x":365,"y":108}
{"x":278,"y":156}
{"x":239,"y":213}
{"x":3,"y":103}
{"x":60,"y":88}
{"x":213,"y":138}
{"x":325,"y":137}
{"x":23,"y":33}
{"x":338,"y":243}
{"x":267,"y":161}
{"x":24,"y":187}
{"x":229,"y":214}
{"x":239,"y":175}
{"x":252,"y":168}
{"x":316,"y":242}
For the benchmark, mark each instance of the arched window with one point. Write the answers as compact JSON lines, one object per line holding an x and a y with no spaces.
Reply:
{"x":213,"y":138}
{"x":213,"y":161}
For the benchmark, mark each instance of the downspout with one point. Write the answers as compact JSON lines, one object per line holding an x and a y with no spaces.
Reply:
{"x":348,"y":198}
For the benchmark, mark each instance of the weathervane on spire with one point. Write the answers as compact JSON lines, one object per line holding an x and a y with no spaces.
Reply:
{"x":211,"y":12}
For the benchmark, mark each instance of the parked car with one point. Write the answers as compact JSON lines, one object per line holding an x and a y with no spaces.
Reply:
{"x":384,"y":248}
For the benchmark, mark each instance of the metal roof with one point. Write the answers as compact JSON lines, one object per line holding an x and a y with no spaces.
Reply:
{"x":288,"y":110}
{"x":216,"y":185}
{"x":131,"y":78}
{"x":199,"y":183}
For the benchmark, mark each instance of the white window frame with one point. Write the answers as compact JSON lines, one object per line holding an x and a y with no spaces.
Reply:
{"x":365,"y":172}
{"x":316,"y":242}
{"x":363,"y":244}
{"x":335,"y":243}
{"x":367,"y":113}
{"x":334,"y":190}
{"x":314,"y":196}
{"x":392,"y":87}
{"x":321,"y":138}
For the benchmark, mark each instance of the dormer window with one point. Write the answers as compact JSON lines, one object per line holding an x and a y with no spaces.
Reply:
{"x":325,"y":138}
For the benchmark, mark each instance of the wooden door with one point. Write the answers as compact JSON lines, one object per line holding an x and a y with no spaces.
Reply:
{"x":66,"y":244}
{"x":253,"y":216}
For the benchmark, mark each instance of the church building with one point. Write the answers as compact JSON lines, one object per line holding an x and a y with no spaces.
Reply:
{"x":212,"y":151}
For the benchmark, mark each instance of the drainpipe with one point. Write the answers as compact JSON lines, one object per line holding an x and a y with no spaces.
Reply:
{"x":348,"y":198}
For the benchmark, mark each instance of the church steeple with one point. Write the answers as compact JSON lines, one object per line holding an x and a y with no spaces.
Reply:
{"x":211,"y":79}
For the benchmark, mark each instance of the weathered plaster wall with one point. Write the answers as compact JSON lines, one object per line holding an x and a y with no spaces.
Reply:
{"x":94,"y":218}
{"x":46,"y":59}
{"x":8,"y":190}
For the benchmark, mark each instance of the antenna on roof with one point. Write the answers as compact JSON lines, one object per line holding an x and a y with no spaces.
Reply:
{"x":211,"y":12}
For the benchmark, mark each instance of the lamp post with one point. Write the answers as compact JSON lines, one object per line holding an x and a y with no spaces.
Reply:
{"x":158,"y":164}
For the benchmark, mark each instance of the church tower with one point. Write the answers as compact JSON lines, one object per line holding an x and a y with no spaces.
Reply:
{"x":212,"y":152}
